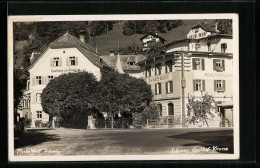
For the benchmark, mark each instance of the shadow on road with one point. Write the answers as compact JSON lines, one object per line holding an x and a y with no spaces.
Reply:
{"x":219,"y":138}
{"x":35,"y":137}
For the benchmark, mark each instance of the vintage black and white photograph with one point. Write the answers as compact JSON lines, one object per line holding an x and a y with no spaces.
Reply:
{"x":115,"y":87}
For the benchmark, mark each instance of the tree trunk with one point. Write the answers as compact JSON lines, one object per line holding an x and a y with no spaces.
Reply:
{"x":206,"y":122}
{"x":112,"y":123}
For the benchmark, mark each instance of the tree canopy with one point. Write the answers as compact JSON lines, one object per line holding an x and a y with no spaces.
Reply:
{"x":225,"y":26}
{"x":146,"y":26}
{"x":70,"y":96}
{"x":199,"y":110}
{"x":98,"y":28}
{"x":121,"y":93}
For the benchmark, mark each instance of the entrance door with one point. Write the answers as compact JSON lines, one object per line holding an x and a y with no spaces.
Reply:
{"x":170,"y":109}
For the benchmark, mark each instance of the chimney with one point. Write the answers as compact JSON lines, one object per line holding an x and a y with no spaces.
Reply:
{"x":112,"y":52}
{"x":32,"y":58}
{"x":216,"y":27}
{"x":82,"y":36}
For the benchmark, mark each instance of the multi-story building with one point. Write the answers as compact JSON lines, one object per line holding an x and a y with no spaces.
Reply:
{"x":64,"y":55}
{"x":208,"y":68}
{"x":149,"y":39}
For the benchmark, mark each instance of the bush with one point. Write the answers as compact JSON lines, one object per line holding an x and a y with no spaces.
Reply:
{"x":38,"y":123}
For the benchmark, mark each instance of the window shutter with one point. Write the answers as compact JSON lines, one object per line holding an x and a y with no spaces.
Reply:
{"x":203,"y":85}
{"x":171,"y":87}
{"x":215,"y":85}
{"x":76,"y":61}
{"x":60,"y":61}
{"x":67,"y":61}
{"x":203,"y":64}
{"x":214,"y":65}
{"x":193,"y":64}
{"x":194,"y":85}
{"x":224,"y":85}
{"x":42,"y":79}
{"x":160,"y":88}
{"x":33,"y":80}
{"x":155,"y":89}
{"x":51,"y":62}
{"x":223,"y":64}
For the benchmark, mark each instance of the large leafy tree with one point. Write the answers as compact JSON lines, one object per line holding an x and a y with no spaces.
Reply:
{"x":98,"y":28}
{"x":121,"y":93}
{"x":70,"y":96}
{"x":199,"y":110}
{"x":225,"y":26}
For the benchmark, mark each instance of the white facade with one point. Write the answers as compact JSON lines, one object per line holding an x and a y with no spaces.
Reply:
{"x":52,"y":63}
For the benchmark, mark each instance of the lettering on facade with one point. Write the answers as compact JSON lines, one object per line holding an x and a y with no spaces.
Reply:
{"x":68,"y":70}
{"x":219,"y":75}
{"x":159,"y":78}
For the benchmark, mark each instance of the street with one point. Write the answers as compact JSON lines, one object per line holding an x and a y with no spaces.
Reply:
{"x":65,"y":141}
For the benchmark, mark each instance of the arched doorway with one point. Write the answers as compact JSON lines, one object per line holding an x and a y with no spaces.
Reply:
{"x":170,"y":109}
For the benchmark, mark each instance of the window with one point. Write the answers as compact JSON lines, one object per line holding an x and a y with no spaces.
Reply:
{"x":158,"y":68}
{"x":198,"y":64}
{"x":168,"y":67}
{"x":204,"y":34}
{"x":198,"y":85}
{"x":194,"y":36}
{"x":219,"y":85}
{"x":148,"y":71}
{"x":39,"y":114}
{"x":170,"y":109}
{"x":56,"y":61}
{"x":196,"y":30}
{"x":158,"y":88}
{"x":72,"y":60}
{"x":131,"y":63}
{"x":28,"y":103}
{"x":218,"y":65}
{"x":200,"y":35}
{"x":223,"y":47}
{"x":169,"y":87}
{"x":38,"y":97}
{"x":50,"y":78}
{"x":209,"y":46}
{"x":38,"y":80}
{"x":197,"y":46}
{"x":190,"y":37}
{"x":159,"y":109}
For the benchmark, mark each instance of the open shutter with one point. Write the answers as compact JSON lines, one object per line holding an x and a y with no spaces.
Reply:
{"x":166,"y":86}
{"x":223,"y":64}
{"x":194,"y":85}
{"x":193,"y":64}
{"x":51,"y":62}
{"x":203,"y":85}
{"x":171,"y":87}
{"x":156,"y":89}
{"x":67,"y":61}
{"x":160,"y":88}
{"x":214,"y":65}
{"x":60,"y":61}
{"x":203,"y":64}
{"x":224,"y":85}
{"x":33,"y":80}
{"x":215,"y":85}
{"x":43,"y":80}
{"x":76,"y":60}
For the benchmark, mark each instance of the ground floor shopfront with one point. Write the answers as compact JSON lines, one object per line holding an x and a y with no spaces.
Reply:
{"x":172,"y":109}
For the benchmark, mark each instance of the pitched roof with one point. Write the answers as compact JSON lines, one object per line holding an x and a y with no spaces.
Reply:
{"x":69,"y":41}
{"x":112,"y":60}
{"x":155,"y":35}
{"x":207,"y":27}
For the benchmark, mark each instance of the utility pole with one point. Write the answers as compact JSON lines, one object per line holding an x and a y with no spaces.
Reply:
{"x":183,"y":85}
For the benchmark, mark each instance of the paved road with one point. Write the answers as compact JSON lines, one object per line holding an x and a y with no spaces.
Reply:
{"x":63,"y":141}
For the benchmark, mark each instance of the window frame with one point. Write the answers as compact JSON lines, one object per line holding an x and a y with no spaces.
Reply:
{"x":38,"y":80}
{"x":39,"y":114}
{"x":56,"y":61}
{"x":158,"y":69}
{"x":167,"y":67}
{"x":71,"y":59}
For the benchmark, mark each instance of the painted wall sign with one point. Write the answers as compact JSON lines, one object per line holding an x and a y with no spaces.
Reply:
{"x":68,"y":70}
{"x":226,"y":75}
{"x":159,"y":78}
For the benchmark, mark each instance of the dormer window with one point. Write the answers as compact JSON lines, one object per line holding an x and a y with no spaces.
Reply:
{"x":131,"y":63}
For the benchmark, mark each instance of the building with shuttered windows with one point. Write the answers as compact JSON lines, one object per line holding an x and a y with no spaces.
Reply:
{"x":67,"y":54}
{"x":208,"y":65}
